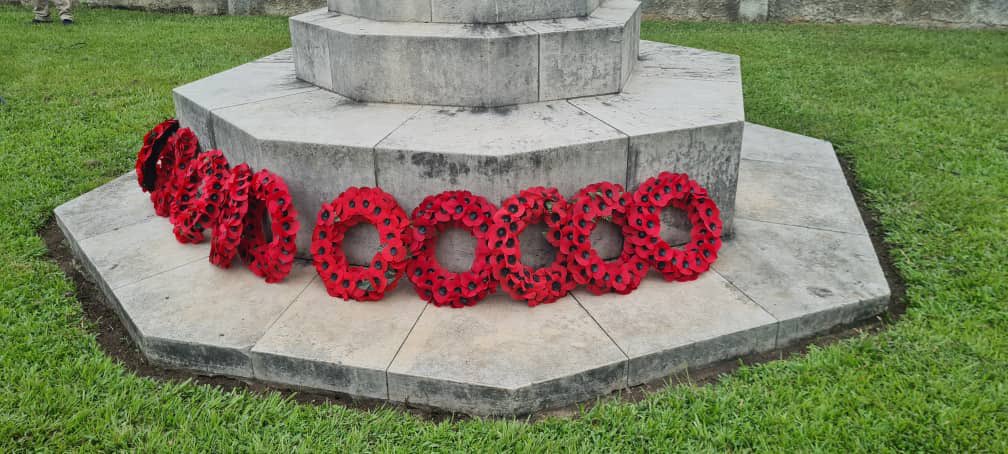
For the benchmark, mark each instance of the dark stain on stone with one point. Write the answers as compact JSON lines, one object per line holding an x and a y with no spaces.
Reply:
{"x":479,"y":109}
{"x":433,"y":165}
{"x":503,"y":110}
{"x":446,"y":112}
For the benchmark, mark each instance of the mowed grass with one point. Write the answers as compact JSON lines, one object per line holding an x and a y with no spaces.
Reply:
{"x":922,"y":114}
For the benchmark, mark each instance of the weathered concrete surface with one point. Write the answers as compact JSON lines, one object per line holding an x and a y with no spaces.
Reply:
{"x":122,"y":256}
{"x":810,"y":280}
{"x":682,"y":109}
{"x":251,"y":82}
{"x":496,"y":153}
{"x":320,"y":142}
{"x":773,"y":284}
{"x":112,"y":206}
{"x":667,"y":327}
{"x":501,"y":358}
{"x":343,"y":346}
{"x":202,"y":317}
{"x":476,"y":65}
{"x":463,"y":11}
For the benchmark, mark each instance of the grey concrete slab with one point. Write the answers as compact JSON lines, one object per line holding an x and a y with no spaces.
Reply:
{"x":138,"y":251}
{"x":243,"y":84}
{"x":500,"y":358}
{"x":109,"y":207}
{"x":320,"y":142}
{"x":810,"y":280}
{"x":664,"y":327}
{"x":202,"y":317}
{"x":496,"y":153}
{"x":797,"y":195}
{"x":617,"y":11}
{"x":329,"y":344}
{"x":773,"y":145}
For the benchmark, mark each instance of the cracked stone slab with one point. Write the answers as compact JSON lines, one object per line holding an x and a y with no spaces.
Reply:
{"x":329,"y":344}
{"x":810,"y":280}
{"x":664,"y":327}
{"x":501,"y":357}
{"x":202,"y":317}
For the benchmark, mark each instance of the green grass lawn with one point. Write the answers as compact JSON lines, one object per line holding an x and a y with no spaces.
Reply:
{"x":922,"y":114}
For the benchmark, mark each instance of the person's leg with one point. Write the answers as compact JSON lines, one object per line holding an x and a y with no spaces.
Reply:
{"x":41,"y":10}
{"x":65,"y":12}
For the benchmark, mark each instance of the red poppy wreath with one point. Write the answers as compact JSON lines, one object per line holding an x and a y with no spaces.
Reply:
{"x":533,"y":286}
{"x":151,"y":162}
{"x":602,"y":201}
{"x":270,"y":201}
{"x":353,"y":206}
{"x":678,"y":191}
{"x":227,"y":234}
{"x":432,"y":282}
{"x":200,"y":197}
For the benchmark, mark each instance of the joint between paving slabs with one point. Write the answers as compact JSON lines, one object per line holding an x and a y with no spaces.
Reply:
{"x":374,"y":148}
{"x":821,"y":229}
{"x":152,"y":276}
{"x":388,"y":392}
{"x":248,"y":351}
{"x":626,"y":363}
{"x":753,"y":300}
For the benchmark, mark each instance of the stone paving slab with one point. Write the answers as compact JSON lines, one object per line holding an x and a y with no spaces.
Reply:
{"x":810,"y":280}
{"x":123,"y":256}
{"x":501,"y":357}
{"x":798,"y":195}
{"x":202,"y":317}
{"x":773,"y":145}
{"x":329,"y":344}
{"x":107,"y":208}
{"x":666,"y":327}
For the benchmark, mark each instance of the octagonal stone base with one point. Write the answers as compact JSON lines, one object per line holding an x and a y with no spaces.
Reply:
{"x":680,"y":111}
{"x":801,"y":263}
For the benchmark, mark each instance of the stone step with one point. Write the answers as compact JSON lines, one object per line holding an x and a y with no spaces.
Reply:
{"x":468,"y":64}
{"x":463,"y":11}
{"x":786,"y":275}
{"x":681,"y":111}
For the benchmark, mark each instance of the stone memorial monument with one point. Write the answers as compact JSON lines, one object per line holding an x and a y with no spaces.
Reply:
{"x":492,"y":96}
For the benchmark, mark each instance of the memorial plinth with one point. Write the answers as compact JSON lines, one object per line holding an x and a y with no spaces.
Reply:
{"x":491,"y":96}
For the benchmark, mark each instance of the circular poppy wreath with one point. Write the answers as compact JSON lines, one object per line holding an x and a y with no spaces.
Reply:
{"x":227,"y":234}
{"x":533,"y":286}
{"x":350,"y":208}
{"x":177,"y":154}
{"x":151,"y":159}
{"x":270,"y":200}
{"x":602,"y":201}
{"x":678,"y":191}
{"x":432,"y":217}
{"x":201,"y":195}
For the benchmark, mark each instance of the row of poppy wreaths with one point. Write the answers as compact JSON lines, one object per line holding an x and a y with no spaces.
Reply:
{"x":201,"y":192}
